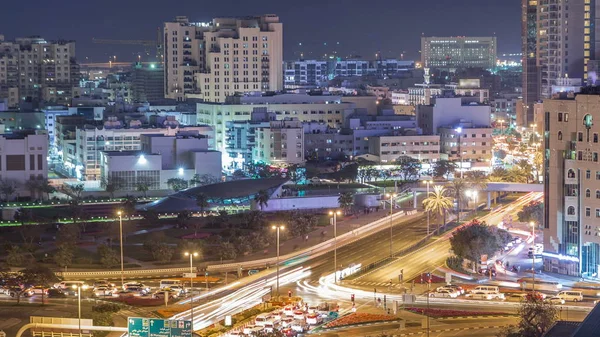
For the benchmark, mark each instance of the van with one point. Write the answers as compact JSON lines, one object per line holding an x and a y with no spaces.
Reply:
{"x":485,"y":290}
{"x":263,"y":319}
{"x":69,"y":284}
{"x":169,"y":283}
{"x":571,"y":295}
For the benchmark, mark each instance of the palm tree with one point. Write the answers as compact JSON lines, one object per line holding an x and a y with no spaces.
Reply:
{"x":346,"y":201}
{"x":458,"y":187}
{"x":262,"y":198}
{"x":128,"y":206}
{"x":201,"y":201}
{"x":437,"y":201}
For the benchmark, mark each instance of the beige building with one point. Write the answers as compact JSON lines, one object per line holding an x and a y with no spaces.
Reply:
{"x":473,"y":148}
{"x":306,"y":108}
{"x":213,"y":60}
{"x":390,"y":148}
{"x":282,"y":143}
{"x":572,"y":184}
{"x":36,"y":68}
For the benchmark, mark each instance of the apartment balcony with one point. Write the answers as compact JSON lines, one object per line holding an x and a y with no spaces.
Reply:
{"x":187,"y":46}
{"x":215,"y":50}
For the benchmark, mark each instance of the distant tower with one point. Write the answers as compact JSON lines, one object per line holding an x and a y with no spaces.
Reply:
{"x":426,"y":76}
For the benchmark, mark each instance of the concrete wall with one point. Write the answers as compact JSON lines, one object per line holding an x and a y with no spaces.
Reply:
{"x":285,"y":204}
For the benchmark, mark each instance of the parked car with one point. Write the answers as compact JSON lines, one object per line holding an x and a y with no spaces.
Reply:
{"x":555,"y":300}
{"x":314,"y":319}
{"x":263,"y":319}
{"x":252,"y":329}
{"x":299,"y":315}
{"x":300,"y":326}
{"x":288,"y":310}
{"x":271,"y":326}
{"x":56,"y":293}
{"x":287,"y":322}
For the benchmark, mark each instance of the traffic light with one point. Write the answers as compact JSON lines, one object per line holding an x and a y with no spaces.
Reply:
{"x":352,"y":297}
{"x":289,"y":293}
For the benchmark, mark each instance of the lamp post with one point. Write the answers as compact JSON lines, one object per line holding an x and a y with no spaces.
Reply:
{"x":278,"y":229}
{"x":459,"y":131}
{"x":191,"y":255}
{"x":78,"y":287}
{"x":121,"y":243}
{"x":428,"y":182}
{"x":335,"y":214}
{"x":501,"y":121}
{"x":533,"y":254}
{"x":391,"y":196}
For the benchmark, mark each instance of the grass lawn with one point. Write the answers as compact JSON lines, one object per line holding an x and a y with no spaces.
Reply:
{"x":387,"y":183}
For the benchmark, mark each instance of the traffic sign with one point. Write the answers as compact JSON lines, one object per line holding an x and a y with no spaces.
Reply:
{"x":189,"y":275}
{"x":153,"y":327}
{"x":252,"y":272}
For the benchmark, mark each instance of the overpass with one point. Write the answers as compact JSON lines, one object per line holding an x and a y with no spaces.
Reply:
{"x":491,"y":188}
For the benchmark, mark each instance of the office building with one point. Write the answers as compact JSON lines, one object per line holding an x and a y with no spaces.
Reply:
{"x":280,"y":143}
{"x":213,"y":60}
{"x":451,"y":110}
{"x":306,"y":108}
{"x":37,"y":69}
{"x":241,"y":136}
{"x":469,"y":145}
{"x":147,"y":83}
{"x":389,"y":149}
{"x":23,"y":158}
{"x":571,"y":223}
{"x":161,"y":158}
{"x":458,"y":52}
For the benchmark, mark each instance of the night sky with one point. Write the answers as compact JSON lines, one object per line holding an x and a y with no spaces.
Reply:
{"x":361,"y":27}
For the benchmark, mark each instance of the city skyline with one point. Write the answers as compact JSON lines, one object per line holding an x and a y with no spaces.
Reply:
{"x":391,"y":26}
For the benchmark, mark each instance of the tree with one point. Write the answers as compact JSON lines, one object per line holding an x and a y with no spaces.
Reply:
{"x":203,"y":179}
{"x":31,"y":234}
{"x":296,"y":173}
{"x":112,"y":185}
{"x":525,"y":169}
{"x":536,"y":318}
{"x":238,"y":174}
{"x":538,"y":164}
{"x":474,"y":240}
{"x":32,"y":186}
{"x":533,"y":211}
{"x":74,"y":191}
{"x":409,"y":167}
{"x":437,"y":202}
{"x":14,"y":256}
{"x":443,"y":168}
{"x":262,"y":198}
{"x":128,"y":206}
{"x":8,"y":187}
{"x":457,"y":188}
{"x":63,"y":257}
{"x":477,"y":180}
{"x":499,"y":174}
{"x":46,"y":187}
{"x":40,"y":276}
{"x":346,"y":201}
{"x":108,"y":256}
{"x":202,"y":202}
{"x":177,"y":184}
{"x":191,"y":246}
{"x":227,"y":251}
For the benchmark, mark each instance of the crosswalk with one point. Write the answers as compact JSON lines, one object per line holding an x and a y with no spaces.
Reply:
{"x":376,"y":284}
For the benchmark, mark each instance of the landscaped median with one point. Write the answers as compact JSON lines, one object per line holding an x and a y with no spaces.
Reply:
{"x":359,"y":318}
{"x":442,"y":313}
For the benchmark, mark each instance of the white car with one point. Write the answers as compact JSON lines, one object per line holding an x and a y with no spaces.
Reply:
{"x":287,"y":322}
{"x":270,"y":327}
{"x":555,"y":300}
{"x":252,"y":329}
{"x":299,"y":315}
{"x":288,"y":310}
{"x":314,"y":319}
{"x":444,"y":292}
{"x":103,"y":291}
{"x":300,"y":326}
{"x":137,"y":286}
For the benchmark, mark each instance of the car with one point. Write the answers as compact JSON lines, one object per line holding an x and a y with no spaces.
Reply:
{"x":312,"y":309}
{"x":103,"y":291}
{"x":236,"y":333}
{"x":56,"y":293}
{"x":444,"y":292}
{"x":136,"y":291}
{"x":298,"y":315}
{"x":288,"y":310}
{"x":571,"y":295}
{"x":161,"y":293}
{"x":300,"y":326}
{"x":69,"y":284}
{"x":263,"y":319}
{"x":271,"y":326}
{"x":516,"y":297}
{"x":103,"y":283}
{"x":137,"y":286}
{"x":277,"y":315}
{"x":179,"y":288}
{"x":314,"y":319}
{"x":14,"y":291}
{"x":252,"y":329}
{"x":460,"y":290}
{"x":555,"y":300}
{"x":289,"y":332}
{"x":287,"y":322}
{"x":39,"y":290}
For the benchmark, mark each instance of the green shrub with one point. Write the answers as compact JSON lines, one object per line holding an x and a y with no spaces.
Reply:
{"x":455,"y":263}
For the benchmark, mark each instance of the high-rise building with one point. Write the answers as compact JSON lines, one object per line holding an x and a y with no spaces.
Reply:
{"x":531,"y":74}
{"x":38,"y":69}
{"x":213,"y":60}
{"x":458,"y":52}
{"x":148,"y":83}
{"x":571,"y":224}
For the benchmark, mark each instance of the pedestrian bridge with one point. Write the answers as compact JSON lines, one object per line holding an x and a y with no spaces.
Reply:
{"x":490,"y":188}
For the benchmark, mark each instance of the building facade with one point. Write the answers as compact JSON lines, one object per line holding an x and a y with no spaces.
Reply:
{"x":147,"y":83}
{"x":391,"y":148}
{"x":220,"y":58}
{"x":458,"y":52}
{"x":38,"y":69}
{"x":451,"y":111}
{"x":571,"y":223}
{"x":23,"y":158}
{"x":531,"y":74}
{"x":280,"y":143}
{"x":470,"y":144}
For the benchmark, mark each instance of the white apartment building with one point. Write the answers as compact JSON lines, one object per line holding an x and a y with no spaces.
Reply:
{"x":23,"y":158}
{"x":160,"y":159}
{"x":458,"y":52}
{"x":281,"y":143}
{"x":34,"y":67}
{"x":90,"y":141}
{"x":468,"y":145}
{"x":213,"y":60}
{"x":389,"y":148}
{"x":450,"y":111}
{"x":400,"y":97}
{"x":306,"y":108}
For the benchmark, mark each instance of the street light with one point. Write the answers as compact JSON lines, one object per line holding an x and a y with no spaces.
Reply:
{"x":335,"y":214}
{"x":428,"y":182}
{"x":391,"y":196}
{"x":121,"y":242}
{"x":533,"y":254}
{"x":278,"y":229}
{"x":78,"y":287}
{"x":191,"y":255}
{"x":459,"y":131}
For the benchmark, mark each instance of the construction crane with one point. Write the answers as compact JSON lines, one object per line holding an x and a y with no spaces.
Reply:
{"x":146,"y":43}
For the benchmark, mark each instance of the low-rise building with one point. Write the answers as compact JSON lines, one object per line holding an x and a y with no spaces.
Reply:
{"x":425,"y":148}
{"x":280,"y":143}
{"x":161,"y":158}
{"x":468,"y":145}
{"x":23,"y":158}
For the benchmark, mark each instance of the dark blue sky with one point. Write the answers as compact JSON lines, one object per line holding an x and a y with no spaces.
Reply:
{"x":361,"y":27}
